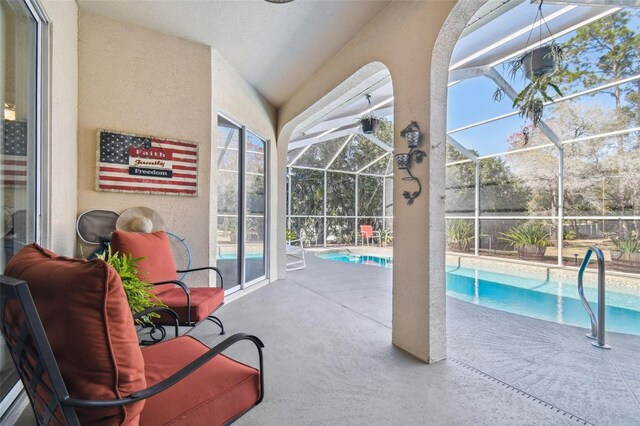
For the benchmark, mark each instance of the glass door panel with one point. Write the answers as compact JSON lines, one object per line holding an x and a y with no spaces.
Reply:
{"x":229,"y":138}
{"x":255,"y":254}
{"x":241,"y":205}
{"x":18,"y":167}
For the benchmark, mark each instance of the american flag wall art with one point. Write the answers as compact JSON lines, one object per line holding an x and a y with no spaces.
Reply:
{"x":146,"y":164}
{"x":13,"y":155}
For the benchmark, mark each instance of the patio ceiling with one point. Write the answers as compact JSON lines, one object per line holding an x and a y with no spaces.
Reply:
{"x":275,"y":47}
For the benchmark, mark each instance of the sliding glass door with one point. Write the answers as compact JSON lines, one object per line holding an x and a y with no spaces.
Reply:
{"x":22,"y":40}
{"x":241,"y":185}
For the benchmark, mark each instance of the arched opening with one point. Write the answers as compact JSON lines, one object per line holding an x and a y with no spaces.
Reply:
{"x":340,"y":171}
{"x":338,"y":177}
{"x":502,"y":173}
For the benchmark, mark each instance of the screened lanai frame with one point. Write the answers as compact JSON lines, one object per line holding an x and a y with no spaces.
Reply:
{"x":376,"y":165}
{"x":485,"y":63}
{"x":554,"y":144}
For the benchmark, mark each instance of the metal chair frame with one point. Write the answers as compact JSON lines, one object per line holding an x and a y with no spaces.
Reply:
{"x":296,"y":252}
{"x":187,"y":293}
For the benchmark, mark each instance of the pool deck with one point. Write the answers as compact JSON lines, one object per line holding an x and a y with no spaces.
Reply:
{"x":330,"y":360}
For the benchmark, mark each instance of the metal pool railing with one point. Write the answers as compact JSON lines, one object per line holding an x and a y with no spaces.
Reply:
{"x":597,"y":324}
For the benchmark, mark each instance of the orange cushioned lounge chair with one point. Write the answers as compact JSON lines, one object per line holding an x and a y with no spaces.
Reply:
{"x":70,"y":333}
{"x":192,"y":304}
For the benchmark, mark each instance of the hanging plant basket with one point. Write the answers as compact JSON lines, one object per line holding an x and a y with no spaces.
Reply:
{"x":540,"y":66}
{"x":369,"y":125}
{"x":540,"y":61}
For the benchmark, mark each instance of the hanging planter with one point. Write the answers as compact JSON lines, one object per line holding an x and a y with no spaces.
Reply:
{"x":369,"y":124}
{"x":541,"y":61}
{"x":539,"y":65}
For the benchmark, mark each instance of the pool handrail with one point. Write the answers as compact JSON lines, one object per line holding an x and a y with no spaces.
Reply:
{"x":597,"y":324}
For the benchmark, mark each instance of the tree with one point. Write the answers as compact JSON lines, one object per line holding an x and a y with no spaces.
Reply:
{"x":604,"y":51}
{"x":501,"y":191}
{"x":599,"y":180}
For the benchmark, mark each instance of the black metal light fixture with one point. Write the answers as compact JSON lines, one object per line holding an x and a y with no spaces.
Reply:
{"x":278,"y":1}
{"x":403,"y":160}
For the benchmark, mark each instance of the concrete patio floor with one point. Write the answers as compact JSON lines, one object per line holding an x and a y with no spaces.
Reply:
{"x":329,"y":360}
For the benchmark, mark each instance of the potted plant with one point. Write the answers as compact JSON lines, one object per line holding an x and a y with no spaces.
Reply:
{"x":138,"y":292}
{"x":626,"y":256}
{"x":540,"y":66}
{"x":369,"y":123}
{"x":386,"y":237}
{"x":530,"y":240}
{"x":540,"y":61}
{"x":230,"y":226}
{"x":290,"y":235}
{"x":459,"y":235}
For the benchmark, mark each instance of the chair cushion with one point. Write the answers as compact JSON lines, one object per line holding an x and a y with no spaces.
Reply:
{"x":88,"y":322}
{"x":204,"y":300}
{"x":157,"y":264}
{"x":217,"y":392}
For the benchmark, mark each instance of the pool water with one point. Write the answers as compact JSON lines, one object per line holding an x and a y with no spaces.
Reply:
{"x":549,"y":300}
{"x":362,"y":259}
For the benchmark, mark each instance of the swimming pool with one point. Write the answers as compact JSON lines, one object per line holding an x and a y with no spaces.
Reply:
{"x":549,"y":300}
{"x":362,"y":259}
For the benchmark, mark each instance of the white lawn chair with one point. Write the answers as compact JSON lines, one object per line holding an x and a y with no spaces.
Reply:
{"x":295,"y":255}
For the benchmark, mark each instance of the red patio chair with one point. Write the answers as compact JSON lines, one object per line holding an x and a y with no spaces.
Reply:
{"x":69,"y":330}
{"x":192,"y":304}
{"x":368,"y":233}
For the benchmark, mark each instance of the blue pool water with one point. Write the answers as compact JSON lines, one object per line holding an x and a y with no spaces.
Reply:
{"x":362,"y":259}
{"x":537,"y":298}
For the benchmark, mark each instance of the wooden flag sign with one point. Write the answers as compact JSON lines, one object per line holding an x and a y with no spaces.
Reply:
{"x":146,"y":164}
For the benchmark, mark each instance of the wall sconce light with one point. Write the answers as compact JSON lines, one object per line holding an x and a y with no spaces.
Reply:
{"x":403,"y":160}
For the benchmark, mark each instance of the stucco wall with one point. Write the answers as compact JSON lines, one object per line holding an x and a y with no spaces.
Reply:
{"x":140,"y":81}
{"x":403,"y":38}
{"x":63,"y":118}
{"x":235,"y":98}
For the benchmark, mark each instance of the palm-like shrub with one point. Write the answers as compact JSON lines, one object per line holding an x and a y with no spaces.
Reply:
{"x":626,"y":244}
{"x":386,"y":236}
{"x":530,"y":234}
{"x":138,"y":292}
{"x":459,"y":234}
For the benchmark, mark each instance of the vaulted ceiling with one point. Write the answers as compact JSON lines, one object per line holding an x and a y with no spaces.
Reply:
{"x":275,"y":47}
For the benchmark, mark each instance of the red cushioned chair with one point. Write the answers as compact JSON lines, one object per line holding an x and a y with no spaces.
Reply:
{"x":70,"y":333}
{"x":192,"y":304}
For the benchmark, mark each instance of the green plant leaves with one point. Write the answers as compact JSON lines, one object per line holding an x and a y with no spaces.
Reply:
{"x":629,"y":243}
{"x":530,"y":233}
{"x":138,"y":292}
